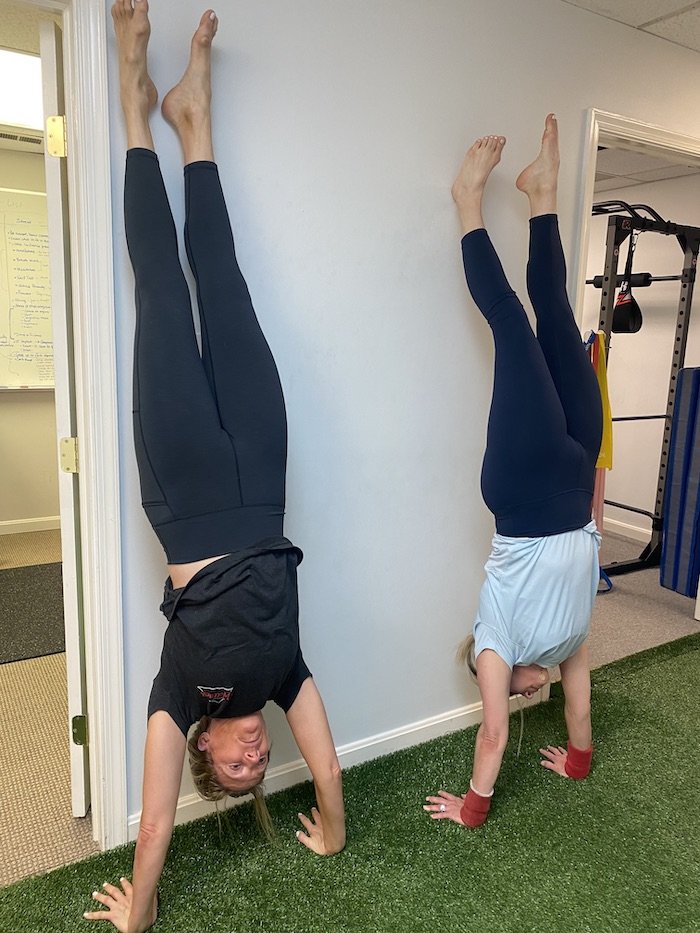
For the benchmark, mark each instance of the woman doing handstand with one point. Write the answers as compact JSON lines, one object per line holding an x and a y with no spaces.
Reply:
{"x":211,"y":445}
{"x":543,"y":439}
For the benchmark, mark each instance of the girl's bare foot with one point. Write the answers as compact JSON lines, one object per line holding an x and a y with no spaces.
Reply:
{"x":188,"y":105}
{"x":539,"y":179}
{"x":138,"y":92}
{"x":468,"y":188}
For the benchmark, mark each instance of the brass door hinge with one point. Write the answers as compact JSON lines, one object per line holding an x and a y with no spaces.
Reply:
{"x":79,"y":730}
{"x":56,"y":141}
{"x":69,"y":454}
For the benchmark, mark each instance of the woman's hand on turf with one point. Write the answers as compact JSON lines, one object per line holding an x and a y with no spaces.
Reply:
{"x":445,"y":807}
{"x":118,"y":903}
{"x":313,"y":837}
{"x":554,"y":759}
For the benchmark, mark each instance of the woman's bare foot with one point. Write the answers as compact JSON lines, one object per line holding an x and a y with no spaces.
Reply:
{"x":188,"y":105}
{"x":539,"y":179}
{"x":468,"y":188}
{"x":138,"y":92}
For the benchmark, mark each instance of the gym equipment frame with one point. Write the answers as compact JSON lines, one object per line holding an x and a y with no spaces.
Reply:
{"x":626,"y":220}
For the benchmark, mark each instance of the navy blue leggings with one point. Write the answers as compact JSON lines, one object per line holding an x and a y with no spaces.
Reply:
{"x":545,"y":423}
{"x":210,"y":431}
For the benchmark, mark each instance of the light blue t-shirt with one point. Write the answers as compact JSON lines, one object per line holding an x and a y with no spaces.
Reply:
{"x":536,"y":601}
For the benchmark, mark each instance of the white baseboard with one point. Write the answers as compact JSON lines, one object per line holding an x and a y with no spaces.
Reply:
{"x":626,"y":530}
{"x":21,"y":525}
{"x":192,"y":807}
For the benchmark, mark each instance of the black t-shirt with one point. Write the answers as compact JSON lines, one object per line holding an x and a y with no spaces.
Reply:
{"x":232,"y":642}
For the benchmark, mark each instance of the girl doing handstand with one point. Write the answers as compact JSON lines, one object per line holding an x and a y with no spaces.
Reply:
{"x":211,"y":445}
{"x":543,"y":439}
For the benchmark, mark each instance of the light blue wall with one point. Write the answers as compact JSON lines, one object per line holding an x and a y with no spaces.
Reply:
{"x":339,"y":127}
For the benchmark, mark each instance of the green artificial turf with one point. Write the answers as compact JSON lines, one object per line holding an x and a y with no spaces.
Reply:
{"x":616,"y":852}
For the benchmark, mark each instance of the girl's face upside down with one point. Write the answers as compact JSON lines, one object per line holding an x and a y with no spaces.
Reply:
{"x":528,"y":679}
{"x":239,"y":748}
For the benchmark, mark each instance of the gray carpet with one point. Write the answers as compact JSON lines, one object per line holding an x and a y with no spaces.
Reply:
{"x":31,"y":612}
{"x":638,"y":613}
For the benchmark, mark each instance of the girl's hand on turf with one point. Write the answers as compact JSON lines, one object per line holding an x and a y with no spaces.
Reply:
{"x":555,"y":759}
{"x":313,"y":837}
{"x":445,"y":807}
{"x":118,"y":903}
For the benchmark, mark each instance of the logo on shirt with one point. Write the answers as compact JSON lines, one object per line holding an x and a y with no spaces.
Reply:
{"x":215,"y":694}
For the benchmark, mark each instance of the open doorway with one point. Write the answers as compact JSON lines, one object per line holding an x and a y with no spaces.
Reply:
{"x":45,"y":821}
{"x":629,"y":163}
{"x":86,"y":277}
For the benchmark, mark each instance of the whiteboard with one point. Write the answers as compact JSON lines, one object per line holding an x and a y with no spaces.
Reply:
{"x":26,"y":345}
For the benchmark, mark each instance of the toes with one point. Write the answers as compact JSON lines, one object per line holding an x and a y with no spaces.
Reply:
{"x":208,"y":25}
{"x":550,"y":125}
{"x":490,"y":142}
{"x":124,"y":11}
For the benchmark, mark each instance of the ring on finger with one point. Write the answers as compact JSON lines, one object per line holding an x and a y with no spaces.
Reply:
{"x":443,"y":807}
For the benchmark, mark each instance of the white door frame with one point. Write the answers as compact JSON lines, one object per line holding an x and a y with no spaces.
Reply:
{"x":89,"y":182}
{"x":611,"y":128}
{"x":55,"y":170}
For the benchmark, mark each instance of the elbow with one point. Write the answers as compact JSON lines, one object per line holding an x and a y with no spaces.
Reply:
{"x":336,"y":771}
{"x":578,"y":714}
{"x":491,"y":741}
{"x":332,"y":774}
{"x":152,"y":834}
{"x":328,"y":777}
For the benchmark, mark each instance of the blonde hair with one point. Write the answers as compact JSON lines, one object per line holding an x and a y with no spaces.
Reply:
{"x":465,"y":654}
{"x":209,"y":787}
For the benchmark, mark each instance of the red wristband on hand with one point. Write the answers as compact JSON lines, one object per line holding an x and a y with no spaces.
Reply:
{"x":578,"y":762}
{"x":475,"y":809}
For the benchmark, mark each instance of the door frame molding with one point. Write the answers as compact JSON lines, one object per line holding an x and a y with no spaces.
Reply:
{"x":610,"y":128}
{"x":94,"y":346}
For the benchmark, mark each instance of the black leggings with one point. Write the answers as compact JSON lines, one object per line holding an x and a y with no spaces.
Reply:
{"x":210,"y":431}
{"x":545,"y":423}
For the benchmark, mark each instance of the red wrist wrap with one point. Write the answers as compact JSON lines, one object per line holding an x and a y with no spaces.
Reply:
{"x":475,"y":809}
{"x":578,"y":762}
